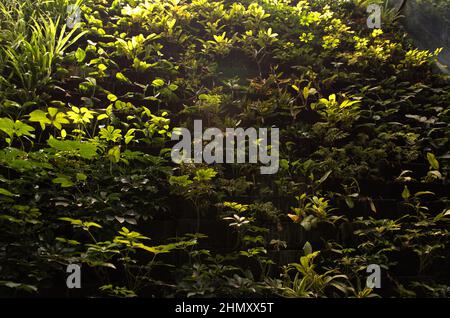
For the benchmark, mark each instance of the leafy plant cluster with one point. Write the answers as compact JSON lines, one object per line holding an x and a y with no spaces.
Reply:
{"x":86,"y":116}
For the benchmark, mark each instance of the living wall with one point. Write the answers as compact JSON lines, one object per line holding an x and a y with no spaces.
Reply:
{"x":86,"y":116}
{"x":431,"y":19}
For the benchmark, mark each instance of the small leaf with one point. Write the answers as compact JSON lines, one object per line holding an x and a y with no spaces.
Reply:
{"x":80,"y":55}
{"x":40,"y":117}
{"x":158,"y":82}
{"x":173,"y":87}
{"x":307,"y":248}
{"x":324,"y":177}
{"x":420,"y":193}
{"x":294,"y":217}
{"x":114,"y":154}
{"x":81,"y":176}
{"x":90,"y":224}
{"x":7,"y":193}
{"x":372,"y":206}
{"x":349,"y":202}
{"x":72,"y":221}
{"x":111,"y":97}
{"x":102,"y":116}
{"x":432,"y":161}
{"x":122,"y":77}
{"x":63,"y":182}
{"x":406,"y":194}
{"x":120,"y":219}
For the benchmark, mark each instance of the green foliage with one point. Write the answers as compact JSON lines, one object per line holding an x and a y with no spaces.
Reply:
{"x":85,"y":170}
{"x":32,"y":50}
{"x":308,"y":283}
{"x":15,"y":128}
{"x":85,"y":150}
{"x":52,"y":117}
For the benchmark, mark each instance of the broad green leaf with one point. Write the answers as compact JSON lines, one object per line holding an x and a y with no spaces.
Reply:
{"x":102,"y":116}
{"x":7,"y":125}
{"x":20,"y":286}
{"x":110,"y":134}
{"x":83,"y":149}
{"x":158,"y":82}
{"x":111,"y":97}
{"x":40,"y":117}
{"x":129,"y":136}
{"x":122,"y":77}
{"x":91,"y":224}
{"x":80,"y":55}
{"x":72,"y":221}
{"x":173,"y":87}
{"x":64,"y":182}
{"x":57,"y":118}
{"x":114,"y":154}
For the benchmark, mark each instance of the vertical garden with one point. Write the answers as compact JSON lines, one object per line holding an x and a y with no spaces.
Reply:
{"x":93,"y":92}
